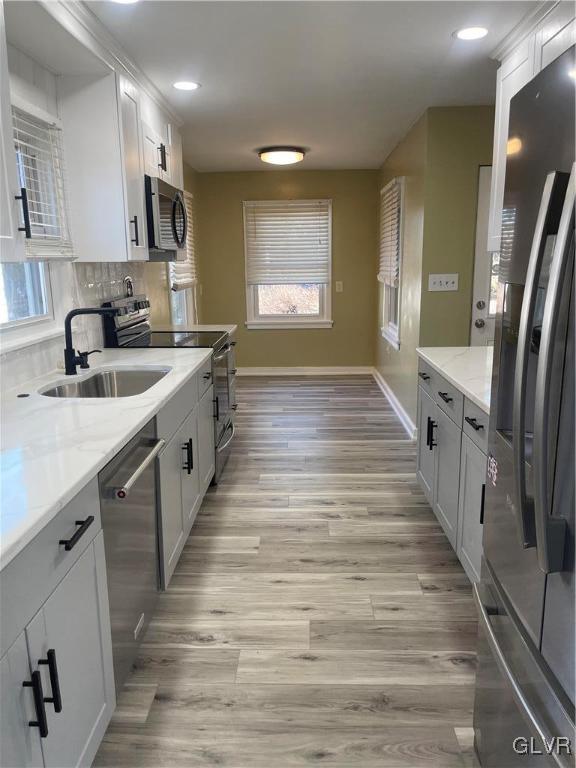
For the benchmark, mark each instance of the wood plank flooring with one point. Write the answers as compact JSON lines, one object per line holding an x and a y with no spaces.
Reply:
{"x":318,"y":614}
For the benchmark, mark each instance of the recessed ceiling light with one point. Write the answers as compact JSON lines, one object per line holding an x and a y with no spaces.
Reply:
{"x":471,"y":33}
{"x":186,"y":85}
{"x":281,"y":155}
{"x":125,"y":2}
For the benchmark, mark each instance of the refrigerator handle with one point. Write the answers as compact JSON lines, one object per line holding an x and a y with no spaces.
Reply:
{"x":529,"y":715}
{"x":550,"y":531}
{"x":547,"y":215}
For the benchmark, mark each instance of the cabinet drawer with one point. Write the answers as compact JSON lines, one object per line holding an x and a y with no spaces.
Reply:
{"x":205,"y":377}
{"x":475,"y":425}
{"x":173,"y":414}
{"x":27,"y":581}
{"x":425,"y":376}
{"x":449,"y":399}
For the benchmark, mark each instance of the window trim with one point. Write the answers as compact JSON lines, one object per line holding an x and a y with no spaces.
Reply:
{"x":388,"y":330}
{"x":255,"y":321}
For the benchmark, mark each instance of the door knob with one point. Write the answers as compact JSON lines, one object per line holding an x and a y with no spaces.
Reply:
{"x":479,"y":323}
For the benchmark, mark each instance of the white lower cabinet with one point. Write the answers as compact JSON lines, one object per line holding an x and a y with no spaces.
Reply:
{"x":471,"y":507}
{"x":57,"y":677}
{"x":451,"y":470}
{"x":191,"y":496}
{"x":206,"y":460}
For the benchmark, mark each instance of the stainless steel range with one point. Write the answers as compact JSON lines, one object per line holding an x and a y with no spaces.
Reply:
{"x":133,"y":331}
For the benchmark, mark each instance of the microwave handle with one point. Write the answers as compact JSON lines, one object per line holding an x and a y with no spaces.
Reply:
{"x":178,"y":204}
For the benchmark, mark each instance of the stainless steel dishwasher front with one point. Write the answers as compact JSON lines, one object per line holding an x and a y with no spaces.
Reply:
{"x":128,"y":501}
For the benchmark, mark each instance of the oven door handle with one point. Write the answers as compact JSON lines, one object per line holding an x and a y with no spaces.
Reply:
{"x":124,"y":490}
{"x":222,"y":355}
{"x":221,"y":448}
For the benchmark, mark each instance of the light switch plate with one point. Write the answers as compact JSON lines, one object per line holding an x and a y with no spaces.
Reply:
{"x":339,"y":286}
{"x":443,"y":282}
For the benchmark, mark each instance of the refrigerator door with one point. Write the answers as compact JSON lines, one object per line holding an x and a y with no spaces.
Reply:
{"x":538,"y":166}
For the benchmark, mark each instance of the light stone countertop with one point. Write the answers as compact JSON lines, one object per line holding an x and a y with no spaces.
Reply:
{"x":469,"y":369}
{"x":52,"y":447}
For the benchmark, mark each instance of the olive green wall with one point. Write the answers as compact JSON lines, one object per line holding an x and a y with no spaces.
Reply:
{"x":440,"y":157}
{"x":459,"y":141}
{"x":220,"y":239}
{"x":399,"y":367}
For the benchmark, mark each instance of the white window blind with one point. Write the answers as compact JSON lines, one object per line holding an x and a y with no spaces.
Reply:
{"x":183,"y":274}
{"x":391,"y":232}
{"x":40,"y":161}
{"x":287,"y":241}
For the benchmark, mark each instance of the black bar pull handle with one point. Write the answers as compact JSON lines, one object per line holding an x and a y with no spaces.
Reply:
{"x":56,"y":698}
{"x":162,"y":164}
{"x":189,"y":465}
{"x":136,"y":238}
{"x":36,"y":684}
{"x":216,"y":409}
{"x":424,"y":376}
{"x":428,"y":421}
{"x":482,"y":503}
{"x":207,"y":375}
{"x":445,"y":397}
{"x":432,"y":443}
{"x":473,"y":423}
{"x":70,"y":543}
{"x":27,"y":229}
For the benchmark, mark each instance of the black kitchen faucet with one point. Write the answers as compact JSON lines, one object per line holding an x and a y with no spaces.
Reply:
{"x":71,"y":359}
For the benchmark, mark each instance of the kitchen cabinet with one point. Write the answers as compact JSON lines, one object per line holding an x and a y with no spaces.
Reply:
{"x":73,"y":625}
{"x":133,"y":162}
{"x":206,"y":461}
{"x":471,"y":507}
{"x":11,"y":239}
{"x":425,"y":460}
{"x":191,"y":496}
{"x":447,"y":438}
{"x":156,"y":153}
{"x":553,"y":35}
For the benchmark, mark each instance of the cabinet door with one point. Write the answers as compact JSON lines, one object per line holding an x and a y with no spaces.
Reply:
{"x":206,"y":464}
{"x":11,"y":240}
{"x":555,"y":34}
{"x":425,"y":462}
{"x":152,"y":143}
{"x":190,"y":475}
{"x":19,"y":741}
{"x":472,"y":480}
{"x":132,"y":153}
{"x":514,"y":73}
{"x":170,"y":462}
{"x":448,"y":437}
{"x":75,"y":622}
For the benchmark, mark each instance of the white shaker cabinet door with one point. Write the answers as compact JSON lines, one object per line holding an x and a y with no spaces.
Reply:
{"x":19,"y":741}
{"x":448,"y":437}
{"x":514,"y":73}
{"x":472,"y":484}
{"x":171,"y":462}
{"x":555,"y":34}
{"x":191,"y":496}
{"x":75,"y":623}
{"x":133,"y":159}
{"x":425,"y":468}
{"x":206,"y":464}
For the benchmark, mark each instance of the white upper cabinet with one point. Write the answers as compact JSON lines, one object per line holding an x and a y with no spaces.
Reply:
{"x":553,"y":35}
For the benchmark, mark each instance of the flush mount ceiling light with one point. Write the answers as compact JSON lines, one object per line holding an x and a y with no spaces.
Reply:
{"x":281,"y":155}
{"x":186,"y":85}
{"x":471,"y":33}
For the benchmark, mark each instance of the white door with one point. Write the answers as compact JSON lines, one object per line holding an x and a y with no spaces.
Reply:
{"x":75,"y":623}
{"x":11,"y":240}
{"x":19,"y":741}
{"x":483,"y":296}
{"x":133,"y":158}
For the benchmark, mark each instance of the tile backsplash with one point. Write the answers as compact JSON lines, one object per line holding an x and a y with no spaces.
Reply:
{"x":85,"y":285}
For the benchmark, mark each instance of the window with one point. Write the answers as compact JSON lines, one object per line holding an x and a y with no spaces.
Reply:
{"x":183,"y":275}
{"x":39,"y":158}
{"x":288,"y":263}
{"x":390,"y":271}
{"x":24,"y":294}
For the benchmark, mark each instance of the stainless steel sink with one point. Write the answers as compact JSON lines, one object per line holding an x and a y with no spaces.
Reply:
{"x":121,"y":382}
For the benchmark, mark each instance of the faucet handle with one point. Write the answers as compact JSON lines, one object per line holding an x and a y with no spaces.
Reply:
{"x":84,"y":357}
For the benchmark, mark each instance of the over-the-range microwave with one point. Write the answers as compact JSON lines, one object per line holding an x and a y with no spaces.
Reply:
{"x":166,"y":220}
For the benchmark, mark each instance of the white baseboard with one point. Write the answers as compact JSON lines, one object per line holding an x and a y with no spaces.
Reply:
{"x":334,"y":370}
{"x":397,"y":406}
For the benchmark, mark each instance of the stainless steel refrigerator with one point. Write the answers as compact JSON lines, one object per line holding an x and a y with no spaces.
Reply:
{"x":524,"y":703}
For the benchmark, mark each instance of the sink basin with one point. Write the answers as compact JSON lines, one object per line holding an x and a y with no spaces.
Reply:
{"x":122,"y":382}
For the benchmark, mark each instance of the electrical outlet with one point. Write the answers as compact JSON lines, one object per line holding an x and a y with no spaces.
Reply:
{"x":443,"y":282}
{"x":339,"y":286}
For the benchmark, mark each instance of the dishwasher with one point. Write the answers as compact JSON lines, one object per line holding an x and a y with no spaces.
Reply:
{"x":129,"y":508}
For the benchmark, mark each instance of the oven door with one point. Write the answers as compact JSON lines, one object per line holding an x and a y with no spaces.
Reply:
{"x":222,"y":401}
{"x":166,"y":217}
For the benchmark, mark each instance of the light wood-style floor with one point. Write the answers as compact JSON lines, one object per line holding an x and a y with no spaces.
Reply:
{"x":318,"y":615}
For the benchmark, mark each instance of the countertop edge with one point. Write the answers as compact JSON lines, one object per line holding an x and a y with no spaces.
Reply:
{"x":460,"y":386}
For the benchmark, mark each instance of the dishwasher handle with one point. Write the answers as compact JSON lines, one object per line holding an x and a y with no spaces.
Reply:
{"x":121,"y":492}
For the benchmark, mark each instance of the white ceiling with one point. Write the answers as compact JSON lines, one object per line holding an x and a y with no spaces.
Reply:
{"x":345,"y":79}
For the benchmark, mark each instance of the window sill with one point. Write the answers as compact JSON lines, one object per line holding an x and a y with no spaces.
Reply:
{"x":8,"y":344}
{"x":393,"y":340}
{"x":290,"y":325}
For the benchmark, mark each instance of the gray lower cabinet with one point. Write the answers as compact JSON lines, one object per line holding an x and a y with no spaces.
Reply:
{"x":74,"y":625}
{"x":426,"y":455}
{"x":447,"y":436}
{"x":471,"y":503}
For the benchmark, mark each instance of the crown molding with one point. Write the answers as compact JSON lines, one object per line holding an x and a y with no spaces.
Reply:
{"x":82,"y":24}
{"x":524,"y":27}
